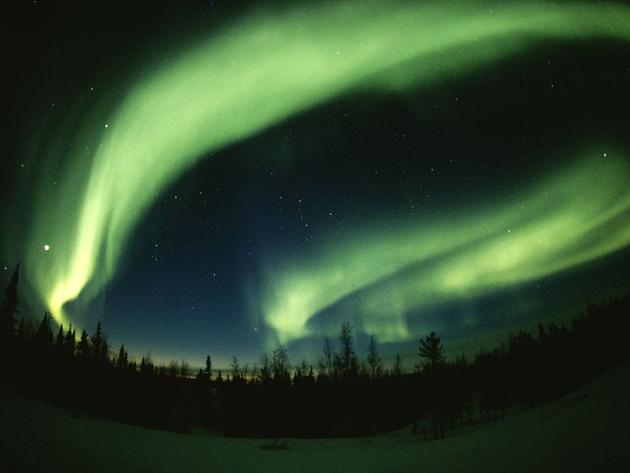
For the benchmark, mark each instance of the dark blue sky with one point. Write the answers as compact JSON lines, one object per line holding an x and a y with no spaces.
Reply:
{"x":192,"y":279}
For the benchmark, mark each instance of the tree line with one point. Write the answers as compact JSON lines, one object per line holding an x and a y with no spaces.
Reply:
{"x":341,"y":395}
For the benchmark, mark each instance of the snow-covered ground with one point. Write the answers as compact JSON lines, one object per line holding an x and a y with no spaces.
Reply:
{"x":588,"y":430}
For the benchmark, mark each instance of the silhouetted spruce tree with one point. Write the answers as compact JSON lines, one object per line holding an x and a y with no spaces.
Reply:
{"x":326,"y":363}
{"x":521,"y":376}
{"x":432,"y":364}
{"x":460,"y":389}
{"x":122,"y":361}
{"x":8,"y":308}
{"x":84,"y":351}
{"x":99,"y":344}
{"x":201,"y":377}
{"x":280,"y":366}
{"x":147,"y":368}
{"x":397,"y":369}
{"x":373,"y":359}
{"x":235,"y":369}
{"x":43,"y":336}
{"x":491,"y":372}
{"x":208,"y":369}
{"x":104,"y":352}
{"x":59,"y":340}
{"x":347,"y":361}
{"x":69,"y":344}
{"x":431,"y":353}
{"x":265,"y":370}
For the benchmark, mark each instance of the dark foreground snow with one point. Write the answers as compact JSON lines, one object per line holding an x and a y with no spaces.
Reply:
{"x":588,"y":430}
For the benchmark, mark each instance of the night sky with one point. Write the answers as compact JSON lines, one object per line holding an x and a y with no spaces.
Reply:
{"x":226,"y":177}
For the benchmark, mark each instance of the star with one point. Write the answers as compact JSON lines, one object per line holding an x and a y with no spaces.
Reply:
{"x":46,"y":247}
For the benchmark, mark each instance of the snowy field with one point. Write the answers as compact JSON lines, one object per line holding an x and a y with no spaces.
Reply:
{"x":588,"y":430}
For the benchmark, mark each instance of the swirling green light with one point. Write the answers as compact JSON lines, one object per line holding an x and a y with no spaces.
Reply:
{"x":246,"y":78}
{"x":569,"y":218}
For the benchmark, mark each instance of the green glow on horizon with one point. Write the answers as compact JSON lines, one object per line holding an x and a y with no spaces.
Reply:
{"x":567,"y":219}
{"x":246,"y":78}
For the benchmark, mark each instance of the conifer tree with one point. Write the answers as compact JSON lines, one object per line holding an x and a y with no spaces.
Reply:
{"x":373,"y":359}
{"x":430,"y":351}
{"x":104,"y":356}
{"x":69,"y":344}
{"x":235,"y":368}
{"x":398,"y":369}
{"x":83,"y":348}
{"x":122,"y":360}
{"x":99,"y":344}
{"x":265,"y":370}
{"x":59,"y":339}
{"x":8,"y":308}
{"x":200,"y":376}
{"x":44,"y":335}
{"x":208,"y":369}
{"x":327,"y":362}
{"x":347,"y":361}
{"x":146,"y":365}
{"x":280,"y":365}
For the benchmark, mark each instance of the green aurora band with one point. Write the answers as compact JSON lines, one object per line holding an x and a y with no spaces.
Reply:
{"x":571,"y":217}
{"x":265,"y":68}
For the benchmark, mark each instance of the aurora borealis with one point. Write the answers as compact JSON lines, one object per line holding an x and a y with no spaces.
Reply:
{"x":101,"y":169}
{"x":464,"y":256}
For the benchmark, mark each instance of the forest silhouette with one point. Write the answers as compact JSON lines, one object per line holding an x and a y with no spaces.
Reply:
{"x":340,"y":395}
